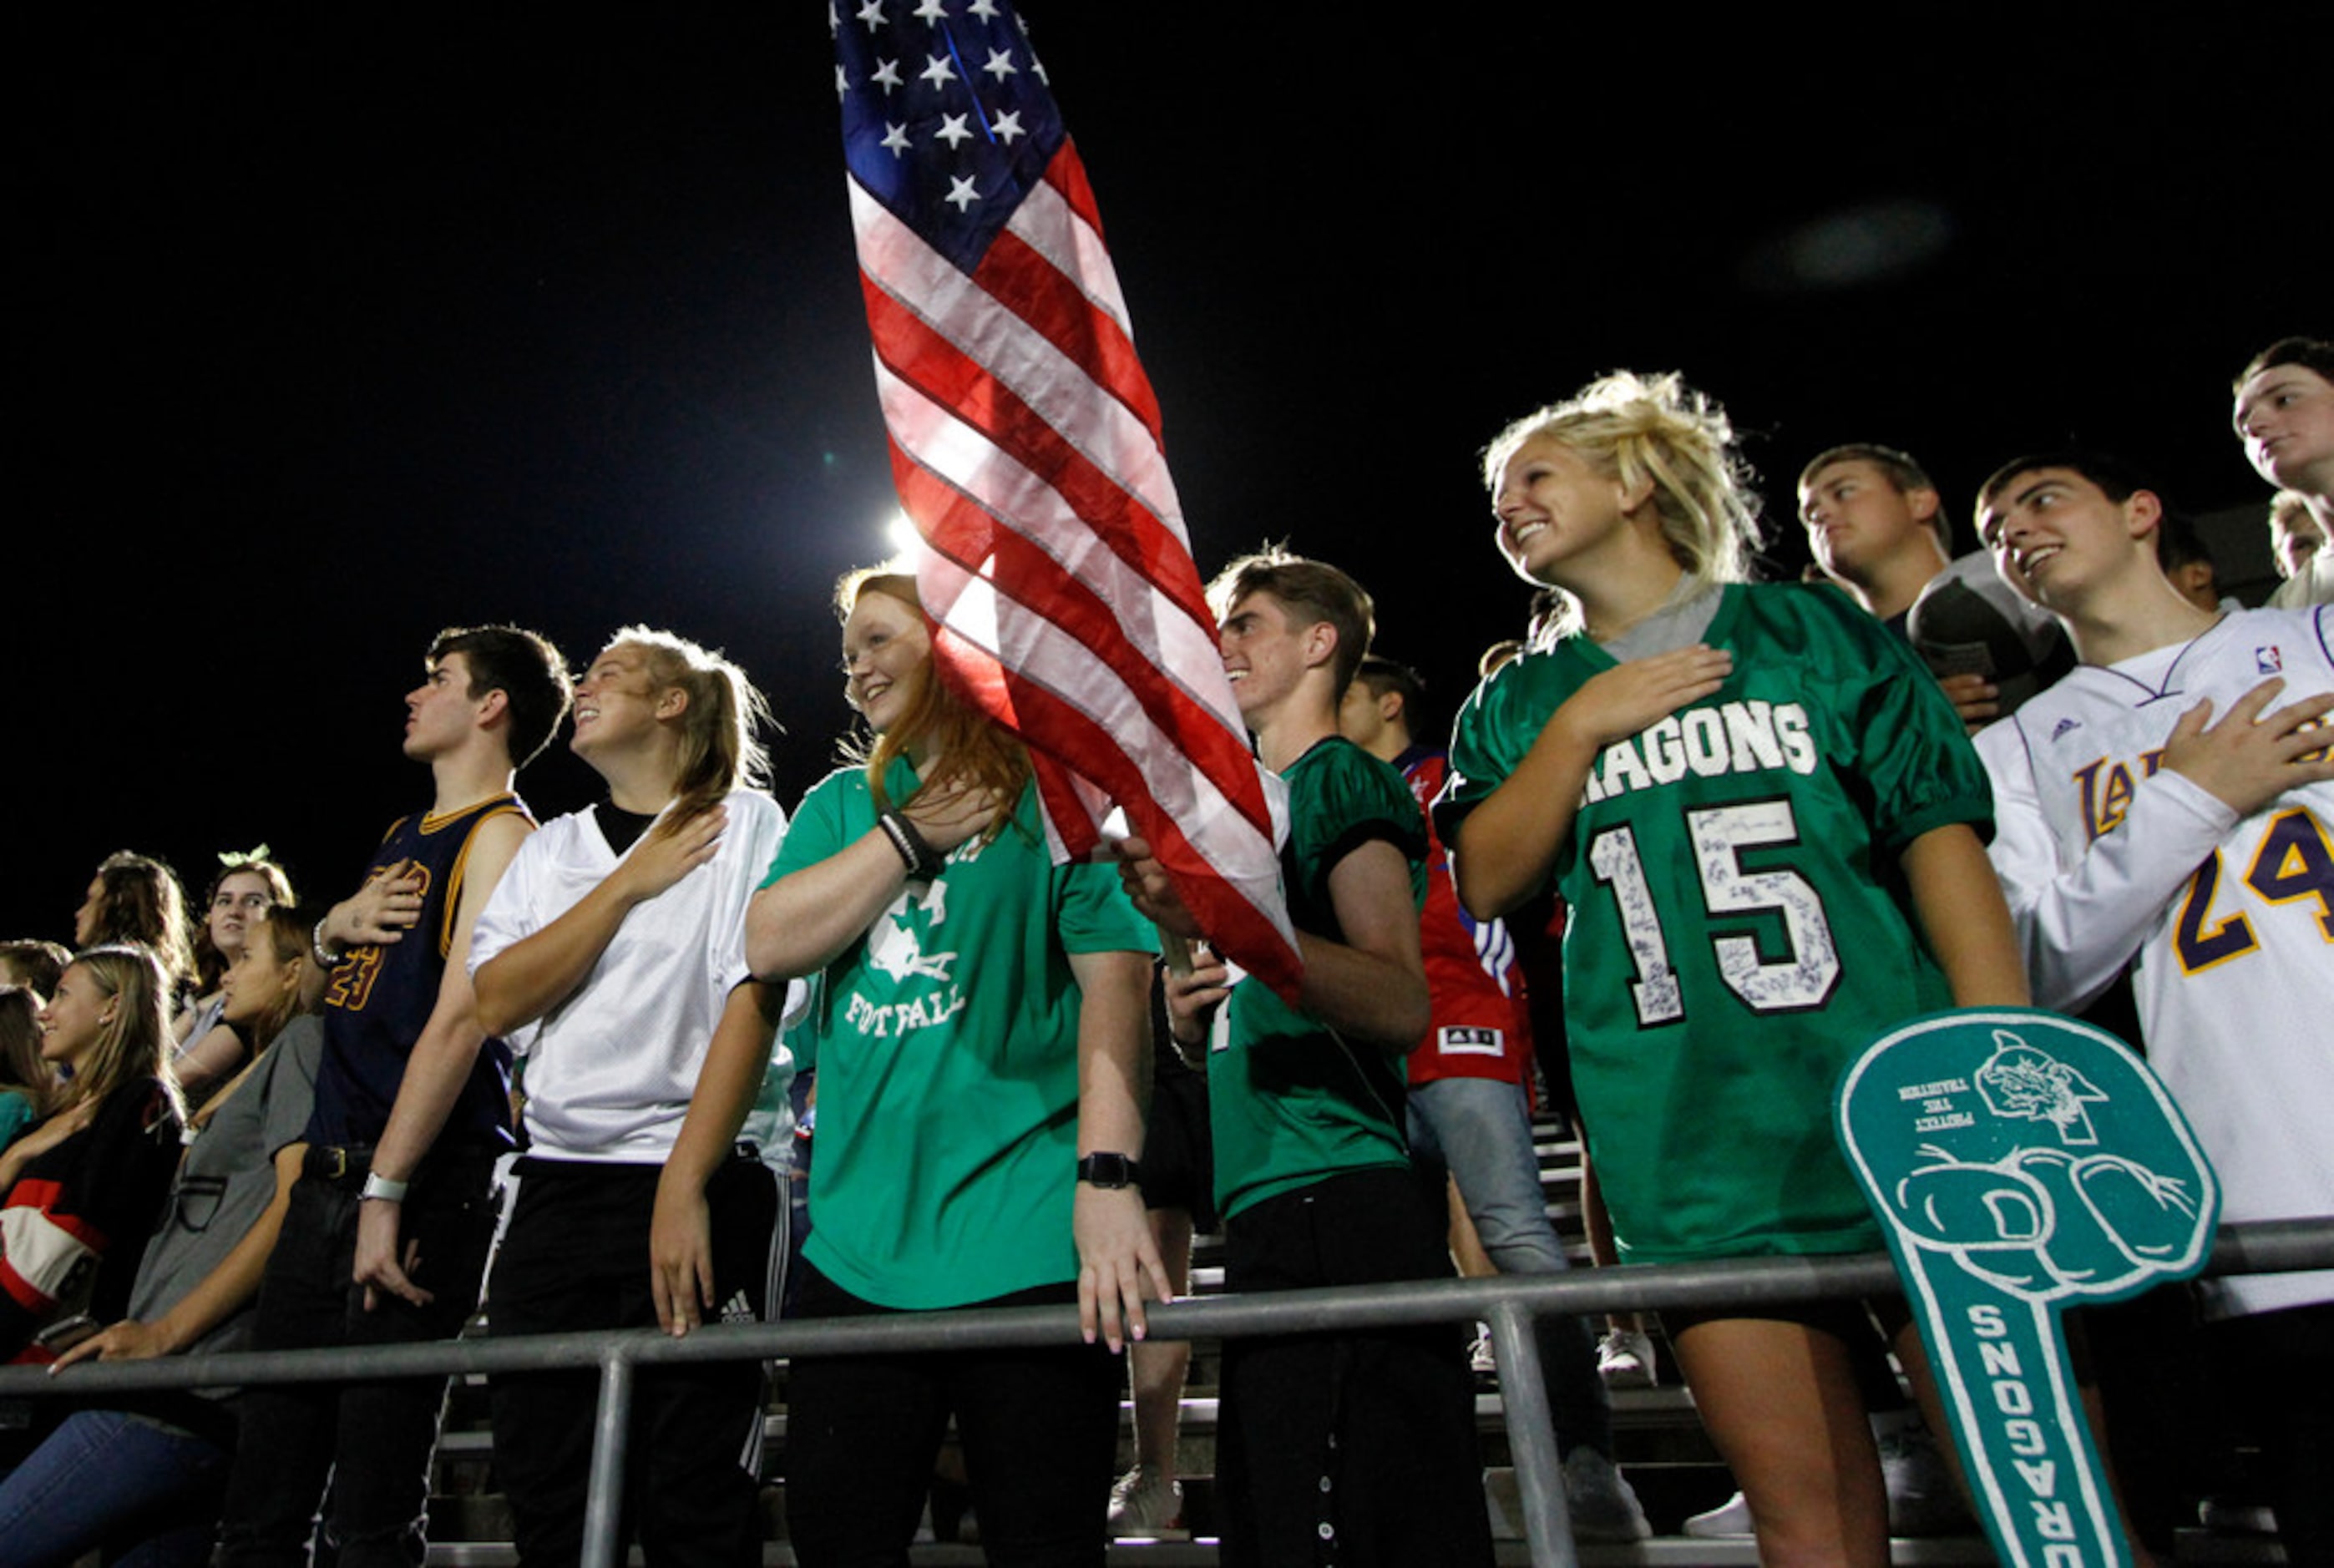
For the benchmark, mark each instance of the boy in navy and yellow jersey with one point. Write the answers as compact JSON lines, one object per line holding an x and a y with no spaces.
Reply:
{"x":1361,"y":1444}
{"x":397,"y":997}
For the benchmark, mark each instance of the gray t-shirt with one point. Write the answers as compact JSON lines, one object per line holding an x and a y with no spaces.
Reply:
{"x":1677,"y":623}
{"x":226,"y":1179}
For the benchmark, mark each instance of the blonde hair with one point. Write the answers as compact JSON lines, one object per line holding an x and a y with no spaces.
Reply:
{"x":967,"y":744}
{"x":1654,"y":429}
{"x":719,"y":747}
{"x":130,"y":1045}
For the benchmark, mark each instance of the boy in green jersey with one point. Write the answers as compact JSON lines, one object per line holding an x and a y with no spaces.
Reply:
{"x":1362,"y":1444}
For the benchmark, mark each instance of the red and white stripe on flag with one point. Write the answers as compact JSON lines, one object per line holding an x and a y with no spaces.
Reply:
{"x":1025,"y":445}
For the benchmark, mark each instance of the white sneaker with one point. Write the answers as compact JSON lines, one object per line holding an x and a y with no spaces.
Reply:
{"x":2228,"y":1516}
{"x":1730,"y":1521}
{"x":1922,"y":1497}
{"x":1603,"y":1504}
{"x":1480,"y":1357}
{"x":1624,"y":1358}
{"x":1146,"y":1505}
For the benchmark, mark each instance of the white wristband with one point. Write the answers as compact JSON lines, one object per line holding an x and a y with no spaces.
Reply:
{"x":376,"y":1185}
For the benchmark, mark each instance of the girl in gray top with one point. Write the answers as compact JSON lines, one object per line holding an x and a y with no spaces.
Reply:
{"x":112,"y":1479}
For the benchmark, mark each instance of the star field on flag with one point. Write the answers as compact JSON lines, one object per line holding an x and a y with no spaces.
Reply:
{"x":1025,"y":445}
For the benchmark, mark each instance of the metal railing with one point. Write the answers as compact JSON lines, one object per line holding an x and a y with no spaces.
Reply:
{"x":1508,"y":1302}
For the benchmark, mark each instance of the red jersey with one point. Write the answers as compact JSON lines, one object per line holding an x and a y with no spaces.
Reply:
{"x":1479,"y":1028}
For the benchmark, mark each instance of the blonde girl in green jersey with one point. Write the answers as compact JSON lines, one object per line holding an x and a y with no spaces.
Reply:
{"x":1718,"y":777}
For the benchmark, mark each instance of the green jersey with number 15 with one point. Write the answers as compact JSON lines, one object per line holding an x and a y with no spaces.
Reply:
{"x":1739,"y":923}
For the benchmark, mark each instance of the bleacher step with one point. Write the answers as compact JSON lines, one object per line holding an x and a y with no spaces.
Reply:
{"x":1662,"y":1552}
{"x":2194,"y":1548}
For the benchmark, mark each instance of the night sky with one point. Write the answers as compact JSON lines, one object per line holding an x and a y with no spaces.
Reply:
{"x":336,"y":328}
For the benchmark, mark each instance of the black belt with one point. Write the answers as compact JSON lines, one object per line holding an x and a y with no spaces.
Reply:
{"x":456,"y":1167}
{"x":337,"y":1162}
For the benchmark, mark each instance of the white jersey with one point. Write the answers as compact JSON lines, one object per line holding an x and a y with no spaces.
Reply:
{"x":611,"y":1069}
{"x":2229,"y":924}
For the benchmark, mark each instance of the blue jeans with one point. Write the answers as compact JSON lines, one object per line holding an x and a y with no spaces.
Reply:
{"x":1479,"y":1129}
{"x":145,"y":1494}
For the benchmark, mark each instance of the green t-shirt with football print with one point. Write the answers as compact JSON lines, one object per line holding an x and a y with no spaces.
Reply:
{"x":945,"y":1040}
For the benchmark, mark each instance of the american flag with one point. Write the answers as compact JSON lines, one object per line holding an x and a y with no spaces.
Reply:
{"x":1025,"y":445}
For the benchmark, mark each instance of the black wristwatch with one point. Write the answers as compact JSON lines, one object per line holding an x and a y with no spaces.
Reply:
{"x":1112,"y":1171}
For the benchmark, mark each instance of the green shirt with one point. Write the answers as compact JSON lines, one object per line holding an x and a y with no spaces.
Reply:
{"x":946,"y":1044}
{"x":15,"y":1114}
{"x":1291,"y":1102}
{"x":1740,"y":925}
